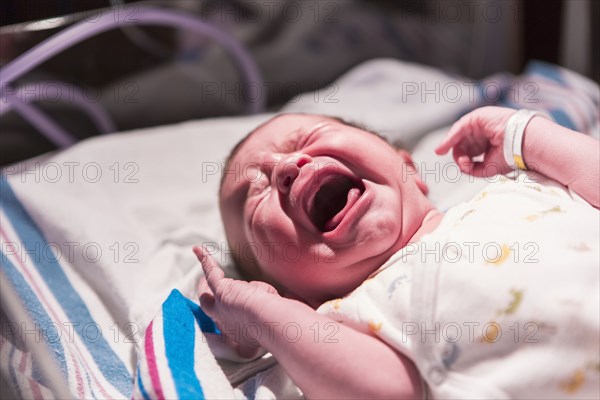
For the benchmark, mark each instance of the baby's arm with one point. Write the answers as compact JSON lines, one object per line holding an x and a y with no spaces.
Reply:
{"x":350,"y":364}
{"x":566,"y":156}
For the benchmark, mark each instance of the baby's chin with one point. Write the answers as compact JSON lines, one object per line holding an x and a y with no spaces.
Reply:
{"x":316,"y":293}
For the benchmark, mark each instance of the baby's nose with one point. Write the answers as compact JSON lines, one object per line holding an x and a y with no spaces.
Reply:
{"x":288,"y":170}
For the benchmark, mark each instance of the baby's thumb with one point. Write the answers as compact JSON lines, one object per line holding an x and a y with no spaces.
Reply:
{"x":207,"y":303}
{"x":248,"y":351}
{"x":465,"y":164}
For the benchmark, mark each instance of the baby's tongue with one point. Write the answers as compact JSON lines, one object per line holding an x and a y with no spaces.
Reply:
{"x":353,"y":195}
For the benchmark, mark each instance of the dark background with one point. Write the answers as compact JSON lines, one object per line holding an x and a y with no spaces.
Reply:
{"x":307,"y":54}
{"x":541,"y":21}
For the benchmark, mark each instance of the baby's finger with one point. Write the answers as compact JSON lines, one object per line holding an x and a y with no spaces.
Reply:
{"x":455,"y":136}
{"x":479,"y":170}
{"x":212,"y":272}
{"x":247,"y":350}
{"x":207,"y":303}
{"x":462,"y":159}
{"x":203,"y":287}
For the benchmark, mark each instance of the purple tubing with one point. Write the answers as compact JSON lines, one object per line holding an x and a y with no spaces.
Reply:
{"x":55,"y":90}
{"x":106,"y":21}
{"x":43,"y":123}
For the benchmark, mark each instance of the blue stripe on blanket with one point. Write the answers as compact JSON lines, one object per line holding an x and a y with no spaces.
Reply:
{"x":36,"y":374}
{"x":546,"y":70}
{"x":180,"y":337}
{"x":141,"y":385}
{"x":37,"y":312}
{"x":13,"y":375}
{"x":206,"y":324}
{"x":562,"y":118}
{"x":111,"y":366}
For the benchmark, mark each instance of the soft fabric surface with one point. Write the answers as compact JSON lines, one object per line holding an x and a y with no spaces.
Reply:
{"x":96,"y":237}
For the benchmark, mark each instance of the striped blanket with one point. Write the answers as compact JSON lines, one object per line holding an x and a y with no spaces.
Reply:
{"x":100,"y":353}
{"x":174,"y":357}
{"x":570,"y":99}
{"x":82,"y":352}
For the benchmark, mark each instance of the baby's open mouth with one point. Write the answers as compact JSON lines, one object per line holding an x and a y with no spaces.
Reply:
{"x":333,"y":200}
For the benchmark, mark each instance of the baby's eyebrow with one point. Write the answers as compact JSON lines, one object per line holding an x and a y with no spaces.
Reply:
{"x":295,"y":137}
{"x":291,"y":141}
{"x":319,"y":125}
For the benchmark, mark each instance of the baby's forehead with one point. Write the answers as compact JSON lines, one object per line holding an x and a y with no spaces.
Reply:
{"x":274,"y":133}
{"x":281,"y":129}
{"x":283,"y":126}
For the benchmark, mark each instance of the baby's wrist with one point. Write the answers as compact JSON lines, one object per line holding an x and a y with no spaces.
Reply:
{"x":263,"y":306}
{"x":517,"y":153}
{"x":535,"y":138}
{"x":271,"y":314}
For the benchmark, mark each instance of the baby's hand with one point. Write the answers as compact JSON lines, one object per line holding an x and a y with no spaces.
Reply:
{"x":232,"y":303}
{"x":480,"y":132}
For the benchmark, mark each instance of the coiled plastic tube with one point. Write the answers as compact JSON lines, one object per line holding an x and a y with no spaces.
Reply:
{"x":106,"y":21}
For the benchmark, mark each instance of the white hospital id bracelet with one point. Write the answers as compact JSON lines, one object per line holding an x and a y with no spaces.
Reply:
{"x":513,"y":137}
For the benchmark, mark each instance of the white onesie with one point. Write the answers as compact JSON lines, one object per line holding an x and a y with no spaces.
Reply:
{"x":501,"y":301}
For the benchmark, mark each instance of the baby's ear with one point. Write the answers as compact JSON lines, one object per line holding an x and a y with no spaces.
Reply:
{"x":412,"y":167}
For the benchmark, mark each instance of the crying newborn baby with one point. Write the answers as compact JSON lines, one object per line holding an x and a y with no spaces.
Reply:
{"x":322,"y":202}
{"x":332,"y":227}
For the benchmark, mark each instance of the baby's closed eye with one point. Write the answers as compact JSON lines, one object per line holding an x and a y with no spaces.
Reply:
{"x":259,"y":184}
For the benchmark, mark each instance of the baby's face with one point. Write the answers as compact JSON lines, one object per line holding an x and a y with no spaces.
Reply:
{"x":317,"y":205}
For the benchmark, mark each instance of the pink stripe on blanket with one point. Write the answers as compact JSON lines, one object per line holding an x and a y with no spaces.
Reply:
{"x":40,"y":295}
{"x":151,"y":360}
{"x":35,"y":389}
{"x":22,"y":362}
{"x":33,"y":385}
{"x":54,"y":316}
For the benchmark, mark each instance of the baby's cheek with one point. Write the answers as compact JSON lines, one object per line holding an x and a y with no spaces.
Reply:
{"x":273,"y":252}
{"x":265,"y":232}
{"x":378,"y":232}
